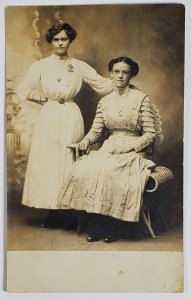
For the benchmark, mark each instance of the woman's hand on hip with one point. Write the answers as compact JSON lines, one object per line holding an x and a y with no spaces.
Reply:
{"x":36,"y":98}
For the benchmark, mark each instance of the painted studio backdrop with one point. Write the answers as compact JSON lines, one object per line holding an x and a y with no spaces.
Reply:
{"x":153,"y":35}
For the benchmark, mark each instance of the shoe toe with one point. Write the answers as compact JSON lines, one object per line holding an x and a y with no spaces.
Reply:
{"x":110,"y":239}
{"x":89,"y":239}
{"x":92,"y":238}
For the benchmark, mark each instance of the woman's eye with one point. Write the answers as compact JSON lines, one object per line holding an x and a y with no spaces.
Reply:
{"x":62,"y":40}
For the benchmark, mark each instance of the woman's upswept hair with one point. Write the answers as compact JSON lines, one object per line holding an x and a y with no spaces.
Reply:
{"x":134,"y":66}
{"x":55,"y":29}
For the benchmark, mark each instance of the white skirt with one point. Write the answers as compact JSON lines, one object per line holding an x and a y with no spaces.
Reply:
{"x":50,"y":161}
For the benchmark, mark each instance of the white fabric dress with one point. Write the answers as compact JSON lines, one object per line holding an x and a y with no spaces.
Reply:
{"x":107,"y":183}
{"x":57,"y":126}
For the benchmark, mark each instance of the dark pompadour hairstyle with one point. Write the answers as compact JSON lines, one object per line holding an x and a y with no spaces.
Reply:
{"x":134,"y":66}
{"x":55,"y":29}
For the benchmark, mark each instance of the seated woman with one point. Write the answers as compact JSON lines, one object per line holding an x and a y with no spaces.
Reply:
{"x":109,"y":183}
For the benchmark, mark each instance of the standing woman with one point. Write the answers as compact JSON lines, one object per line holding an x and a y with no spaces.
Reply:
{"x":57,"y":78}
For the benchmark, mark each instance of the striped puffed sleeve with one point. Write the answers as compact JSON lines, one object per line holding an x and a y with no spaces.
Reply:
{"x":97,"y":126}
{"x":148,"y":126}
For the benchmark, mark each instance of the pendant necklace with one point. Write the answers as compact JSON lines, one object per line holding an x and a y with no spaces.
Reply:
{"x":64,"y":61}
{"x":120,"y":109}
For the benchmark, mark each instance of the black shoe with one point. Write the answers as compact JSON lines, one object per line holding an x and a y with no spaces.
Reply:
{"x":50,"y":222}
{"x":69,"y":226}
{"x":93,"y":238}
{"x":110,"y":239}
{"x":42,"y":225}
{"x":45,"y":223}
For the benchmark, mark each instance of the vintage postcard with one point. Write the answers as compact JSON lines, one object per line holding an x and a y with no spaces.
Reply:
{"x":95,"y":106}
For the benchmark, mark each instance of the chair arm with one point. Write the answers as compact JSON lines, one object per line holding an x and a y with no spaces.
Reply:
{"x":159,"y":176}
{"x":95,"y":146}
{"x":76,"y":150}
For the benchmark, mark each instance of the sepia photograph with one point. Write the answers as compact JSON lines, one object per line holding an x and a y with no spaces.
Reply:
{"x":94,"y":135}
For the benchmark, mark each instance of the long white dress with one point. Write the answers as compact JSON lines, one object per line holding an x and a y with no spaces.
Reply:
{"x":57,"y":126}
{"x":109,"y":183}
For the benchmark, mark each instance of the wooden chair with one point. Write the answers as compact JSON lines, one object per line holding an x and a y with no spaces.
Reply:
{"x":159,"y":178}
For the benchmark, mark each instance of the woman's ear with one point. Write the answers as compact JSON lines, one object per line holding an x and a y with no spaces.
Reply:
{"x":111,"y":74}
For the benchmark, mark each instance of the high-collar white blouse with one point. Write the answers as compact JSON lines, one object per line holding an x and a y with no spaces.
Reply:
{"x":61,"y":79}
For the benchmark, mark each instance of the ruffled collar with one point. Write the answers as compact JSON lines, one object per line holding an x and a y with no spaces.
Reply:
{"x":123,"y":91}
{"x":57,"y":58}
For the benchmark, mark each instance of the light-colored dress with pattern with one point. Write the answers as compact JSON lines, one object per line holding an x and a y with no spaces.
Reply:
{"x":50,"y":161}
{"x":107,"y":183}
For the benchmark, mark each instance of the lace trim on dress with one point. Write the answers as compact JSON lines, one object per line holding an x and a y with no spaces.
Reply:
{"x":134,"y":114}
{"x":147,"y":114}
{"x":151,"y":122}
{"x":147,"y":117}
{"x":146,"y":108}
{"x":149,"y":129}
{"x":159,"y":138}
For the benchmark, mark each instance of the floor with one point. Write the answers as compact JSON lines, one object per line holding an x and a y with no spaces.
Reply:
{"x":25,"y":234}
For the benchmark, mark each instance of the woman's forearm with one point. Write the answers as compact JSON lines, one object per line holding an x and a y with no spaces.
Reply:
{"x":97,"y":126}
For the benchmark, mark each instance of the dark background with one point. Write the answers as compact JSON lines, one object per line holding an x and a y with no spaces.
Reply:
{"x":152,"y":35}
